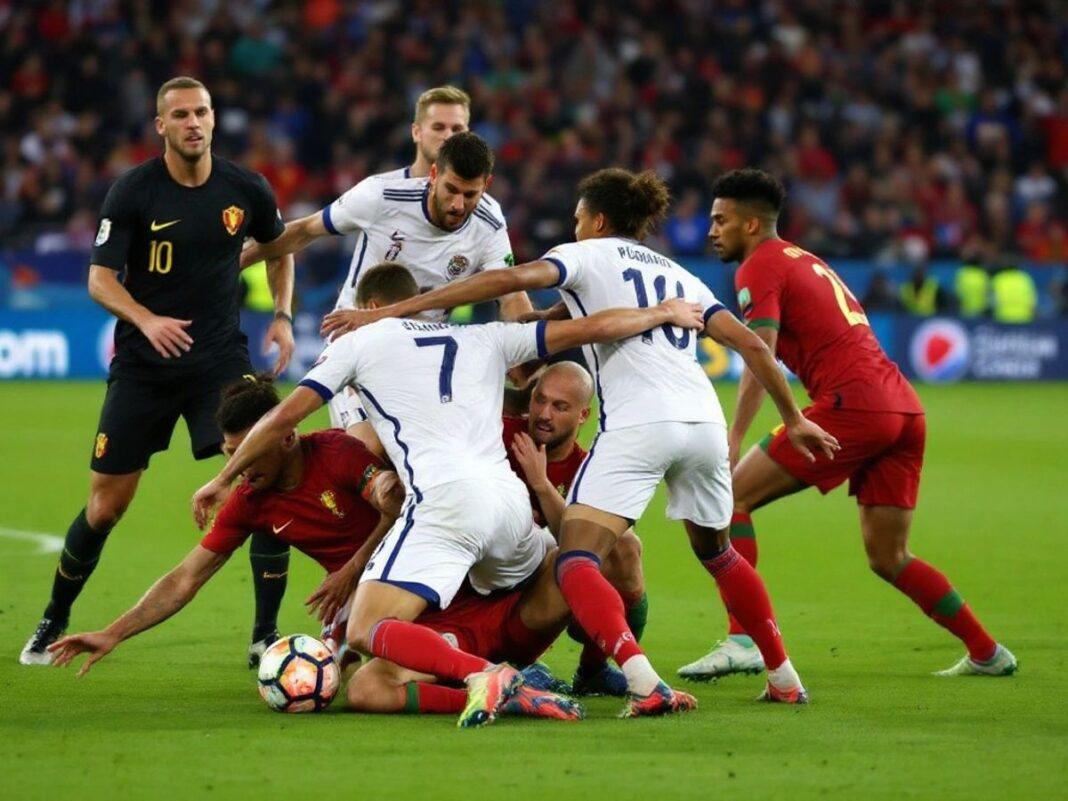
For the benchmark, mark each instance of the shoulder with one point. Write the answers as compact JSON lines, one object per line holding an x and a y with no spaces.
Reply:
{"x":399,"y":173}
{"x":488,"y":212}
{"x":333,"y":442}
{"x":238,"y":507}
{"x":245,"y":178}
{"x":136,"y":178}
{"x":395,"y":189}
{"x":512,"y":426}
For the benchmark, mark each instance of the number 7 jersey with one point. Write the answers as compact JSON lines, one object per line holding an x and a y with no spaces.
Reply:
{"x":824,"y":336}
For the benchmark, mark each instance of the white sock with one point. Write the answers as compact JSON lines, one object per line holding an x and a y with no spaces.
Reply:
{"x":641,"y":678}
{"x":784,"y":677}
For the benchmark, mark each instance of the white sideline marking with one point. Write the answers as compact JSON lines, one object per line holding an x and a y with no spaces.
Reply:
{"x":46,"y":543}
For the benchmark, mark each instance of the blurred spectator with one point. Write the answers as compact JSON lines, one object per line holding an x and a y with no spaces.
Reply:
{"x":923,"y":296}
{"x":686,"y":229}
{"x":972,"y":280}
{"x":1015,"y":296}
{"x":881,"y":296}
{"x":1042,"y":239}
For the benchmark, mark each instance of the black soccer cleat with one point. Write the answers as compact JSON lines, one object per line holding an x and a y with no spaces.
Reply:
{"x":35,"y":651}
{"x":256,"y":650}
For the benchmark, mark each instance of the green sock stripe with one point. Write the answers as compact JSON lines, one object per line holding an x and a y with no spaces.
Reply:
{"x":744,"y":531}
{"x":949,"y":604}
{"x":411,"y":703}
{"x":765,"y":442}
{"x":638,"y":616}
{"x":901,"y":569}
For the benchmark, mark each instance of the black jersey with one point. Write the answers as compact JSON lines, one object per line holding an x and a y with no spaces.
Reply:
{"x":180,"y":248}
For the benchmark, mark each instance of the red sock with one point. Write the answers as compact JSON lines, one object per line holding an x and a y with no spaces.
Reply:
{"x":747,"y":599}
{"x":743,"y":538}
{"x":933,"y":593}
{"x":592,"y":659}
{"x":595,"y":604}
{"x":424,"y":650}
{"x":433,"y":699}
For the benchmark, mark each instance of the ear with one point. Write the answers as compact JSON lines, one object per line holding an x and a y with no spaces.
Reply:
{"x":600,"y":222}
{"x":584,"y":415}
{"x":489,"y":182}
{"x":417,"y":132}
{"x":752,"y":226}
{"x":433,"y":173}
{"x":159,"y":126}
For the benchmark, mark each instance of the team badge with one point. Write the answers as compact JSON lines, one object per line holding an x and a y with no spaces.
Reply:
{"x":457,"y":265}
{"x":745,"y":300}
{"x":103,"y":233}
{"x":330,"y":502}
{"x":232,"y":217}
{"x":562,"y":489}
{"x":394,"y":250}
{"x":101,"y":446}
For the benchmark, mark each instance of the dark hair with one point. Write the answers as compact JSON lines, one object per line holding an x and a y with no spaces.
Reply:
{"x":467,"y":155}
{"x":753,"y":186}
{"x":633,"y":204}
{"x":387,"y":283}
{"x":245,"y":401}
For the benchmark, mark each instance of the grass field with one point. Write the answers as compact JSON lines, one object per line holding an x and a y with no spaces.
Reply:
{"x":174,"y":713}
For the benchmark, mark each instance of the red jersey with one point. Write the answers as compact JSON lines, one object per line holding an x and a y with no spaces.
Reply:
{"x":824,"y":336}
{"x":324,"y":516}
{"x":560,"y":473}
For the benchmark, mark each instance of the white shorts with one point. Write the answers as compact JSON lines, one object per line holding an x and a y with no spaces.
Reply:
{"x":345,"y":409}
{"x":624,"y":467}
{"x":479,"y":530}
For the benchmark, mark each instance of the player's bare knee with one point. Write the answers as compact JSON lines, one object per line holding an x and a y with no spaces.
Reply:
{"x":886,"y":561}
{"x":105,"y":509}
{"x":707,"y":543}
{"x":623,"y":566}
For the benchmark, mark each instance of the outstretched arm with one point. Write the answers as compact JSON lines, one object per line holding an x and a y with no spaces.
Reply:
{"x":163,"y":599}
{"x":614,"y":324}
{"x":297,"y":236}
{"x":750,"y":398}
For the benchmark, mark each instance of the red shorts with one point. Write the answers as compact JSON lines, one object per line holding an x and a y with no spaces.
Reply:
{"x":490,"y":627}
{"x":881,"y":455}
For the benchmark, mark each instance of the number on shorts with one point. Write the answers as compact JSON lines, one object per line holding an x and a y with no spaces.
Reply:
{"x":448,"y":362}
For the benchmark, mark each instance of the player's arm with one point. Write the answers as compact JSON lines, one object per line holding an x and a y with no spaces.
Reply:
{"x":534,"y":461}
{"x":280,"y":332}
{"x":615,"y":324}
{"x":805,"y":435}
{"x":750,"y":397}
{"x":297,"y":235}
{"x":515,"y":306}
{"x":167,"y":335}
{"x":163,"y":599}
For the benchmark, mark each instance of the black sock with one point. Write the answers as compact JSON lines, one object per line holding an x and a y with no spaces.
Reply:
{"x":81,"y":552}
{"x":270,"y":566}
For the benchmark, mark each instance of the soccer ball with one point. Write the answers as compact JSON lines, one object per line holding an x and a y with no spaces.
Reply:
{"x":298,"y":674}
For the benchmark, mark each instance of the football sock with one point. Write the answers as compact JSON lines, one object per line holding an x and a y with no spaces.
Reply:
{"x":743,"y":538}
{"x":433,"y":699}
{"x":746,"y":598}
{"x":932,"y":592}
{"x":269,"y":558}
{"x":592,"y":660}
{"x":422,"y":649}
{"x":81,"y":552}
{"x":641,"y":678}
{"x":784,"y":677}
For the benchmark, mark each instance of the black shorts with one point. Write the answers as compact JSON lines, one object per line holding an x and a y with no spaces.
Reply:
{"x":139,"y":416}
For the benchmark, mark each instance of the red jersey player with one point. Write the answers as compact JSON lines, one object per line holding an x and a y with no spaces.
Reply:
{"x":804,"y":311}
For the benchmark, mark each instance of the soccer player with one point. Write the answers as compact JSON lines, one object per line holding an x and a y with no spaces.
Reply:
{"x":440,"y":112}
{"x":175,"y":225}
{"x":659,"y":418}
{"x":324,"y":493}
{"x":800,"y":308}
{"x":434,"y":394}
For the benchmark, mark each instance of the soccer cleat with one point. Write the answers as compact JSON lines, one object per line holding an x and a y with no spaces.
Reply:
{"x":532,"y":703}
{"x":538,"y":677}
{"x":1002,"y":663}
{"x":35,"y":651}
{"x":661,"y":701}
{"x":773,"y":695}
{"x":487,"y":692}
{"x":606,"y":681}
{"x":255,"y":651}
{"x":726,"y":657}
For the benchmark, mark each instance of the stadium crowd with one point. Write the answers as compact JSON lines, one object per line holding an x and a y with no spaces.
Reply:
{"x":901,"y":128}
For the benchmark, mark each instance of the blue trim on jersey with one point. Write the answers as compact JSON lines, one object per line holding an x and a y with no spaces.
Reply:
{"x":539,"y":335}
{"x":359,"y":261}
{"x":396,"y":435}
{"x":712,"y":310}
{"x":488,"y":218}
{"x":408,"y":523}
{"x":572,"y":497}
{"x":318,"y":388}
{"x":328,"y":223}
{"x":417,"y":588}
{"x":408,"y":171}
{"x":560,"y":268}
{"x":403,"y":196}
{"x":596,"y":362}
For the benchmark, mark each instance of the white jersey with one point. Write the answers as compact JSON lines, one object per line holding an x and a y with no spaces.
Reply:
{"x":432,"y":391}
{"x":650,"y":378}
{"x":390,"y":213}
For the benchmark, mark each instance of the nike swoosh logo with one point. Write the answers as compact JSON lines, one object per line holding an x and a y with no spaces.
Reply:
{"x":281,"y":528}
{"x":155,"y":226}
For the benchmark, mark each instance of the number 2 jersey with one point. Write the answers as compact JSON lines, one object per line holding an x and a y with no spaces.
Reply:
{"x":824,"y":336}
{"x":654,"y":377}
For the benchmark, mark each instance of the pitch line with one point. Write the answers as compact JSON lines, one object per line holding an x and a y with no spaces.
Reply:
{"x":46,"y":543}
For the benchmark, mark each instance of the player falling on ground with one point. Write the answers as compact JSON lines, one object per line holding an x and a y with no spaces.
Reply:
{"x":660,"y":419}
{"x":434,"y":395}
{"x":802,"y":309}
{"x":175,"y":225}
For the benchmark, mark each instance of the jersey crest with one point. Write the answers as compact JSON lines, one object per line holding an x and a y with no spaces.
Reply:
{"x":396,"y":246}
{"x":232,"y":217}
{"x":457,"y":266}
{"x":745,"y":300}
{"x":329,"y":500}
{"x":103,"y":233}
{"x":101,"y":446}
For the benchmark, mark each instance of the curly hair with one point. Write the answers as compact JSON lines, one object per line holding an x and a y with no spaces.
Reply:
{"x":751,"y":186}
{"x":245,"y":401}
{"x":633,"y":204}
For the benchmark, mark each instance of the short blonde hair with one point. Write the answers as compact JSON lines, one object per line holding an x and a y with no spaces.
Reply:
{"x":448,"y":95}
{"x":181,"y":82}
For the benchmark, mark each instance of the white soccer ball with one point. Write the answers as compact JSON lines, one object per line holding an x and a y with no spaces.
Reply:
{"x":298,"y":674}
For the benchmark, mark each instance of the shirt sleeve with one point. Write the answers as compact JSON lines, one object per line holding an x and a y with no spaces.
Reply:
{"x":267,"y":222}
{"x":759,"y":286}
{"x":568,"y":260}
{"x":519,"y":342}
{"x":118,"y":217}
{"x":355,"y":210}
{"x":231,"y":527}
{"x":499,"y":251}
{"x":335,"y":368}
{"x":354,"y":464}
{"x":708,"y":300}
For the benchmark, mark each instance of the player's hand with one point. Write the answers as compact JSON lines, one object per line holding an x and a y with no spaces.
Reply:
{"x":531,"y":458}
{"x":97,"y":644}
{"x":684,"y":314}
{"x":334,"y":591}
{"x":522,"y":374}
{"x":734,"y":448}
{"x":167,"y":335}
{"x":341,"y":321}
{"x":557,"y":311}
{"x":207,"y":500}
{"x":280,"y":333}
{"x":388,"y":493}
{"x":807,"y":437}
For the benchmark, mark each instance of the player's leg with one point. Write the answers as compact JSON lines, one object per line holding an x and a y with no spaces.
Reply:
{"x":383,"y":687}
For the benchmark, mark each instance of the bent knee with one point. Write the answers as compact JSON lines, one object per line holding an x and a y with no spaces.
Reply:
{"x":104,"y":510}
{"x":623,"y":565}
{"x":886,"y":563}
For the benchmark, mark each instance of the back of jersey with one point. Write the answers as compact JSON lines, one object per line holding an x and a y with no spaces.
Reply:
{"x":432,"y":391}
{"x":654,"y":377}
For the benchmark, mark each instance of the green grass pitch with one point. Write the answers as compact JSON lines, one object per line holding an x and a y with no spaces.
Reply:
{"x":174,"y":712}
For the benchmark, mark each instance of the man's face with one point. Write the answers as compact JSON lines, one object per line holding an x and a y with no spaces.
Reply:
{"x":262,"y":473}
{"x":186,"y":122}
{"x":587,"y":225}
{"x":557,"y":410}
{"x":440,"y":121}
{"x":729,"y":231}
{"x":453,"y":198}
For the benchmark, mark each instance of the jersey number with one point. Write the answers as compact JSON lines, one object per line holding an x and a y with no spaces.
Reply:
{"x":840,"y":292}
{"x":160,"y":256}
{"x":448,"y":362}
{"x":660,"y":287}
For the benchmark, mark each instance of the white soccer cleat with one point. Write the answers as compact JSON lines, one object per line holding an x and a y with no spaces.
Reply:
{"x":35,"y":651}
{"x":726,"y":657}
{"x":1002,"y":663}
